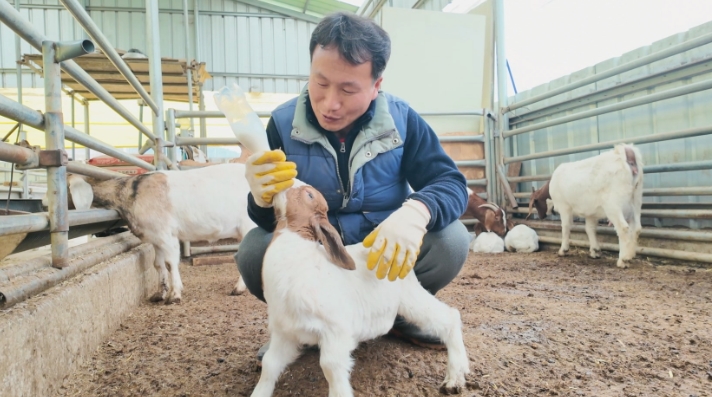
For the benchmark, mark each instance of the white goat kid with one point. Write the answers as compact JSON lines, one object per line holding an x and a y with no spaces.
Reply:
{"x":608,"y":185}
{"x":325,"y":295}
{"x":521,"y":238}
{"x":163,"y":207}
{"x":488,"y":243}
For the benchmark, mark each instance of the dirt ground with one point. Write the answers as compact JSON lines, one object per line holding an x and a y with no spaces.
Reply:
{"x":534,"y":325}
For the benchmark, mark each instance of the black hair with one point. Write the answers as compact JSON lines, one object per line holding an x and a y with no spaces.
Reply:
{"x":358,"y":40}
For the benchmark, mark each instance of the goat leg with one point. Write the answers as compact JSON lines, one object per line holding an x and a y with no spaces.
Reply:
{"x":595,"y":250}
{"x":336,"y":363}
{"x":566,"y":222}
{"x":428,"y":313}
{"x":282,"y":352}
{"x":240,"y":287}
{"x":159,"y":265}
{"x":624,"y":237}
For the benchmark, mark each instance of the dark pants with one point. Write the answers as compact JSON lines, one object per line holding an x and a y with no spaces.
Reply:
{"x":441,"y":257}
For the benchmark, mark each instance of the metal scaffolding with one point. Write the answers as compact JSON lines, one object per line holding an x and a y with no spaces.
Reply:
{"x":57,"y":56}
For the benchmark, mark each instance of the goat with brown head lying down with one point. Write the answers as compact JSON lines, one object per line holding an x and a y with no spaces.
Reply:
{"x":492,"y":218}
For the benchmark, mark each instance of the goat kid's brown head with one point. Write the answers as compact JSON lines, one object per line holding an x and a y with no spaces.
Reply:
{"x":303,"y":210}
{"x":538,"y":201}
{"x":495,"y":219}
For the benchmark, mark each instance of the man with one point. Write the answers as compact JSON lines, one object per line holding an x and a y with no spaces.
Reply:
{"x":363,"y":150}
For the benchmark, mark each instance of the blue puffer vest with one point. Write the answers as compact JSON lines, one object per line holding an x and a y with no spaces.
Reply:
{"x":377,"y":185}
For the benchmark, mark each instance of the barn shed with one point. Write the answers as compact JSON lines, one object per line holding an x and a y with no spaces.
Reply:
{"x":122,"y":91}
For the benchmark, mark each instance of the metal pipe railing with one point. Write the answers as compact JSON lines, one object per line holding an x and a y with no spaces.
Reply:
{"x":477,"y":182}
{"x":189,"y":71}
{"x":34,"y":119}
{"x":461,"y":138}
{"x":171,"y":134}
{"x":376,"y":8}
{"x":670,"y":51}
{"x":153,"y":43}
{"x":470,"y":163}
{"x":659,"y":252}
{"x":214,"y":248}
{"x":93,"y":143}
{"x":648,"y":169}
{"x":680,"y":72}
{"x":54,"y":141}
{"x":689,"y":166}
{"x":190,"y":141}
{"x":665,"y":136}
{"x":80,"y":259}
{"x":210,"y":114}
{"x":663,"y":233}
{"x":654,"y":97}
{"x":452,"y":114}
{"x":92,"y":171}
{"x":17,"y":154}
{"x":82,"y":16}
{"x":505,"y":186}
{"x":39,"y":221}
{"x":657,"y":213}
{"x":669,"y":191}
{"x":15,"y":21}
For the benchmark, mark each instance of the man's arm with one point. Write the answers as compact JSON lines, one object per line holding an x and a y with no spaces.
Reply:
{"x":432,"y":174}
{"x":264,"y":217}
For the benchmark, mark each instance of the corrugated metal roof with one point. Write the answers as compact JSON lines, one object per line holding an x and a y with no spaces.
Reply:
{"x":313,"y":7}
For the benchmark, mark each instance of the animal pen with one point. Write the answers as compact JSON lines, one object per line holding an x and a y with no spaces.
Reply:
{"x":630,"y":99}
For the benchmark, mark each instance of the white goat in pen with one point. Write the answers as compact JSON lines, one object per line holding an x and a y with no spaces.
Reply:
{"x":521,"y":238}
{"x":608,"y":185}
{"x":165,"y":207}
{"x":487,"y":242}
{"x":325,"y":295}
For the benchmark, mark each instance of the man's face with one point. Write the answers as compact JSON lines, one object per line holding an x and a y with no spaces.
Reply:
{"x":339,"y":91}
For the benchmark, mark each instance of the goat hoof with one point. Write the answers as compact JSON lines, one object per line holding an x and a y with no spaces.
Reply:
{"x":157,"y":297}
{"x":454,"y":383}
{"x":447,"y":389}
{"x":622,"y":264}
{"x":595,"y":254}
{"x":562,"y":252}
{"x":236,"y":292}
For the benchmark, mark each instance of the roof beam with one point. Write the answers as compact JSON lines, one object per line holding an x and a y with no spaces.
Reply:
{"x":281,"y":10}
{"x":306,"y":5}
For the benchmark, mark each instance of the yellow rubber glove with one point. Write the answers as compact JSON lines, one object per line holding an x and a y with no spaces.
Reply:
{"x":268,"y":173}
{"x":395,"y":243}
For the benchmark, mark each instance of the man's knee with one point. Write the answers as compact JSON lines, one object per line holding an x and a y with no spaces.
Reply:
{"x":443,"y":253}
{"x":249,"y":259}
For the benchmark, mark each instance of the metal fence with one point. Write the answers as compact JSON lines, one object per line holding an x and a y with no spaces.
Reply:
{"x":58,"y":56}
{"x":643,"y":98}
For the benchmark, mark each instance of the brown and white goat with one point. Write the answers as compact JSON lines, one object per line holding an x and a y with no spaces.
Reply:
{"x":541,"y":200}
{"x":492,"y":218}
{"x":165,"y":207}
{"x":325,"y":295}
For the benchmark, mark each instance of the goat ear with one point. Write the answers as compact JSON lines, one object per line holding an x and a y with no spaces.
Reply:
{"x":80,"y":192}
{"x":331,"y":241}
